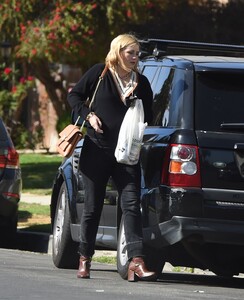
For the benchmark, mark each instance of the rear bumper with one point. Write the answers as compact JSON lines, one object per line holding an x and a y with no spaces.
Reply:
{"x":197,"y":229}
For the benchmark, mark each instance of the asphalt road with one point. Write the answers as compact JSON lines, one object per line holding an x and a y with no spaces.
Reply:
{"x":27,"y":276}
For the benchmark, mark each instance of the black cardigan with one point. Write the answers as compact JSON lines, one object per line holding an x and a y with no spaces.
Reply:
{"x":108,"y":105}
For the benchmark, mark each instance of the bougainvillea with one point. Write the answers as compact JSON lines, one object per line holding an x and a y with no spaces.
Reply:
{"x":59,"y":37}
{"x":44,"y":34}
{"x":64,"y":31}
{"x":14,"y":88}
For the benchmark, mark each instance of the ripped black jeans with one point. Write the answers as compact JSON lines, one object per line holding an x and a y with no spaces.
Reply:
{"x":97,"y":165}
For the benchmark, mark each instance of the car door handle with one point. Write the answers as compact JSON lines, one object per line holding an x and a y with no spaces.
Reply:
{"x":239,"y":146}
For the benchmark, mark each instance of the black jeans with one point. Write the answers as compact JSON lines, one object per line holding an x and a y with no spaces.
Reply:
{"x":97,"y":165}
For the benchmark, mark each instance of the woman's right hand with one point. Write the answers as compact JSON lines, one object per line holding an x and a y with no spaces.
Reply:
{"x":96,"y":123}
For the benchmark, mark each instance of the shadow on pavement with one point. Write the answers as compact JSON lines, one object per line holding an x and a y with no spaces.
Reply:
{"x":28,"y":241}
{"x":33,"y":241}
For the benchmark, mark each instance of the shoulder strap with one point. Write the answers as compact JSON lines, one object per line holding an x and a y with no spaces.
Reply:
{"x":97,"y":86}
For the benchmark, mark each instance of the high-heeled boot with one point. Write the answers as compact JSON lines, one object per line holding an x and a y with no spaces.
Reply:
{"x":84,"y":267}
{"x":138,"y":271}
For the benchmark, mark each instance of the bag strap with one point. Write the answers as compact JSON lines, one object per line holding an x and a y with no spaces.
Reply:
{"x":76,"y":122}
{"x":93,"y":97}
{"x":98,"y":83}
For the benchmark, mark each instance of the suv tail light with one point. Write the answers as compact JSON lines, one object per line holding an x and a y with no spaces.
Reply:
{"x":9,"y":158}
{"x":181,"y":166}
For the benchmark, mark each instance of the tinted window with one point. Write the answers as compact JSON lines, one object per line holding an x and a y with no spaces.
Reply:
{"x":168,"y":86}
{"x":219,"y":99}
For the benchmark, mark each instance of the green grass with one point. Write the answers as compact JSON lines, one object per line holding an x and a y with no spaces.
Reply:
{"x":105,"y":259}
{"x":38,"y":172}
{"x":26,"y":210}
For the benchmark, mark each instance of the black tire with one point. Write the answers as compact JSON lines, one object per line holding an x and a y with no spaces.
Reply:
{"x":122,"y":256}
{"x":64,"y":249}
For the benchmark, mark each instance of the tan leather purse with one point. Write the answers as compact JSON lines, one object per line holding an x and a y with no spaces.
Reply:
{"x":69,"y":137}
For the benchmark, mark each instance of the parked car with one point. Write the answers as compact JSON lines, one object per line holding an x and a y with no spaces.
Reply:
{"x":192,"y":161}
{"x":10,"y":187}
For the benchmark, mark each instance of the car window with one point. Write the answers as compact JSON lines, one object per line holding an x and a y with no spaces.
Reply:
{"x":219,"y":99}
{"x":168,"y":85}
{"x":150,"y":72}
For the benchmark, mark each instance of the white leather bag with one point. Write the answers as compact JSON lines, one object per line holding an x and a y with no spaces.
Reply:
{"x":131,"y":134}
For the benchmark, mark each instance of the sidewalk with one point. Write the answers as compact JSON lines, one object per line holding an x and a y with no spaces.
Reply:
{"x":33,"y":198}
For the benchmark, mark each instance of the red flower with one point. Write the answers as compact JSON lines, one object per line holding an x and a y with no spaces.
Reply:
{"x":74,"y":27}
{"x":33,"y":51}
{"x":30,"y":78}
{"x":150,"y":5}
{"x":22,"y":80}
{"x":14,"y":89}
{"x":52,"y":36}
{"x":22,"y":28}
{"x":7,"y":71}
{"x":129,"y":14}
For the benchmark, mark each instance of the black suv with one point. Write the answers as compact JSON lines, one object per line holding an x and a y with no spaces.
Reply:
{"x":192,"y":161}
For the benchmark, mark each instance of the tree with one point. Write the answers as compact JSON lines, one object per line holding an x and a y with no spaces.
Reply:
{"x":43,"y":33}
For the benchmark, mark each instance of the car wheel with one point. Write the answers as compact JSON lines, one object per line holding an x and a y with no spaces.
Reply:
{"x":122,"y":256}
{"x":64,"y":249}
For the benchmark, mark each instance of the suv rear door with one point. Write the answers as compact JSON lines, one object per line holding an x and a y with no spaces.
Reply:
{"x":219,"y":125}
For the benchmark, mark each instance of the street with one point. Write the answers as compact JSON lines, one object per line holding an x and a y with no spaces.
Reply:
{"x":27,"y":275}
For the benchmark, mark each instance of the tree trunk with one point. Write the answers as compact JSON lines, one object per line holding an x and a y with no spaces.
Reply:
{"x":54,"y":86}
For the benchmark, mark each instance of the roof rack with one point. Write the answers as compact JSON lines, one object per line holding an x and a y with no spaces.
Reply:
{"x":159,"y":47}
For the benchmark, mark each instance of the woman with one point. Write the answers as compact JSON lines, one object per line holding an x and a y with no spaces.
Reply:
{"x":120,"y":83}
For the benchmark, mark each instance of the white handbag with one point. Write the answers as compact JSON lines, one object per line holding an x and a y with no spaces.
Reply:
{"x":131,"y":135}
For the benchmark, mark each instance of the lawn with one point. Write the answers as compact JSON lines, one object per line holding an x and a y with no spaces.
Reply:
{"x":38,"y":172}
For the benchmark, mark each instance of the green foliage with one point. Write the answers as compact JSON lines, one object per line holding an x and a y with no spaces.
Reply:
{"x":63,"y":121}
{"x":66,"y":30}
{"x":14,"y":91}
{"x":43,"y":33}
{"x":24,"y":139}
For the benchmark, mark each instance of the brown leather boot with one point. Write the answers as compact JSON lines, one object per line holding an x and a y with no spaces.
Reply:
{"x":138,"y":271}
{"x":84,"y":267}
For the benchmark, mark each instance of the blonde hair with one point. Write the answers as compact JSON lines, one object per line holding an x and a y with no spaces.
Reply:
{"x":117,"y":45}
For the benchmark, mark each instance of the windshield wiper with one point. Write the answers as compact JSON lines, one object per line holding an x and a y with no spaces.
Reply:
{"x":235,"y":126}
